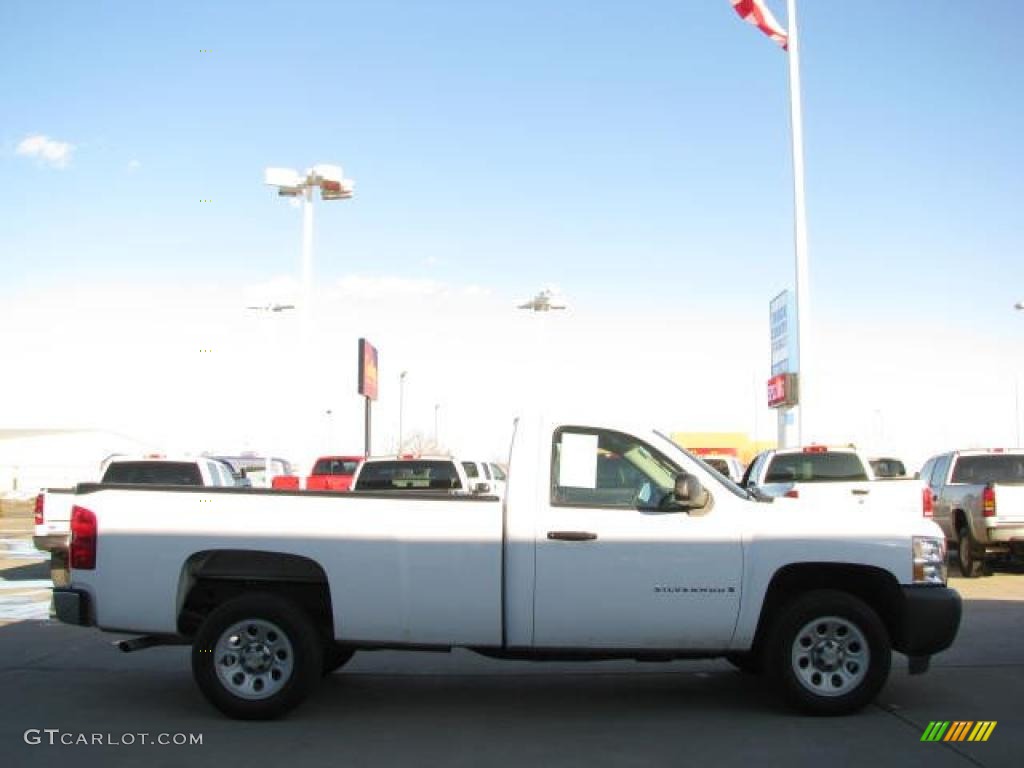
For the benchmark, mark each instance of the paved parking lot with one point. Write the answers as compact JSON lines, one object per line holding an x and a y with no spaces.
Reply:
{"x":459,"y":709}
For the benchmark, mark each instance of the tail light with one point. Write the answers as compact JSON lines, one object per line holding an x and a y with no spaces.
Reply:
{"x":927,"y":502}
{"x":988,"y":501}
{"x":39,"y":510}
{"x":83,"y":539}
{"x":792,"y":493}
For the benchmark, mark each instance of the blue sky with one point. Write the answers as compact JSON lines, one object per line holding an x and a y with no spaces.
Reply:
{"x":629,"y":150}
{"x":600,"y":145}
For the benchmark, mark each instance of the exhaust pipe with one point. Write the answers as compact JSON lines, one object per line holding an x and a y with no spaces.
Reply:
{"x":149,"y":641}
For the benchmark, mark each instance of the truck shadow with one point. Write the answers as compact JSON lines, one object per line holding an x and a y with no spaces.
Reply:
{"x":30,"y":572}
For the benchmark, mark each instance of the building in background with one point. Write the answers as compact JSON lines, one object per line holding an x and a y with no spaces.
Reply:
{"x":727,"y":442}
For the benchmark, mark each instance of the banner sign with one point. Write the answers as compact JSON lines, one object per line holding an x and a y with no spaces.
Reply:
{"x":367,"y":370}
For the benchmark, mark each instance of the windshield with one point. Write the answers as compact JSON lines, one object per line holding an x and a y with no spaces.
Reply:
{"x":667,"y":444}
{"x":1005,"y":469}
{"x":824,"y":467}
{"x":402,"y":474}
{"x":335,"y":467}
{"x":154,"y":473}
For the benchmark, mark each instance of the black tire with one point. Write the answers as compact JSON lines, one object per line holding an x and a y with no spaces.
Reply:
{"x":335,"y":657}
{"x":749,"y":662}
{"x":829,"y":653}
{"x":968,"y":555}
{"x":266,"y":667}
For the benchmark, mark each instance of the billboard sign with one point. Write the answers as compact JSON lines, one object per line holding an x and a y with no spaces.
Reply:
{"x":367,"y":370}
{"x":782,"y":390}
{"x":782,"y":319}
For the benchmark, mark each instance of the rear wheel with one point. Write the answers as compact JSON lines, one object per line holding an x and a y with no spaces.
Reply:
{"x":969,"y":557}
{"x":829,"y":653}
{"x":257,"y":656}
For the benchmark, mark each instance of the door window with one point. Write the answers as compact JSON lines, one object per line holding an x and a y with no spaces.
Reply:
{"x":601,"y":468}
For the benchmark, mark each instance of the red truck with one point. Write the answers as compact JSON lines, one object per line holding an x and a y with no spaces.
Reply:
{"x":330,"y":473}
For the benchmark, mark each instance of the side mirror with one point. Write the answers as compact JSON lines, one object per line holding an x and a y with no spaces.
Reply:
{"x":689,"y":493}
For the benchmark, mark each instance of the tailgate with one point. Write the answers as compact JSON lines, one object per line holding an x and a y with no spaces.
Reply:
{"x":1009,"y":506}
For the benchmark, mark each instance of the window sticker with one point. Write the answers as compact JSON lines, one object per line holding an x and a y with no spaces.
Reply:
{"x":577,"y":466}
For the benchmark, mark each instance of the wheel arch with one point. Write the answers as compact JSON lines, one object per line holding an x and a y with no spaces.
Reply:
{"x":877,"y":587}
{"x":210,"y":577}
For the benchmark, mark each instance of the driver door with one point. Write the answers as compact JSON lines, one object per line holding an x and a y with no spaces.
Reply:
{"x":615,"y":567}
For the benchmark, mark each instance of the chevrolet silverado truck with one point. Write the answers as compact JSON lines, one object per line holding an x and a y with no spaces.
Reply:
{"x":610,"y":542}
{"x":977,"y":499}
{"x":839,"y":479}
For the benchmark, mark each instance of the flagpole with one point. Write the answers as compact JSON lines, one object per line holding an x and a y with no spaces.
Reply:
{"x":803,"y":298}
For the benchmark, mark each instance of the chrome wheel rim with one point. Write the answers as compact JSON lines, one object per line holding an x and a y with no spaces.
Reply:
{"x":830,"y":656}
{"x":254,"y":659}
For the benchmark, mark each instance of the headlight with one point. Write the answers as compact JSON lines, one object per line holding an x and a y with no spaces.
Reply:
{"x":929,"y":560}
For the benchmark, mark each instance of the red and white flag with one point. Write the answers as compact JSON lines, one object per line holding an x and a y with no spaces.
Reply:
{"x":756,"y":12}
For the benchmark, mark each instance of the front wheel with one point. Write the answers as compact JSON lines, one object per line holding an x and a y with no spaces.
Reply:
{"x":829,"y":653}
{"x":256,"y":656}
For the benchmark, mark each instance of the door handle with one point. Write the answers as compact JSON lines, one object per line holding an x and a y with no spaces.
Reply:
{"x":860,"y":491}
{"x":571,"y":535}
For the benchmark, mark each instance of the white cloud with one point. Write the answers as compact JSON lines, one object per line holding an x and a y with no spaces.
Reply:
{"x":56,"y":154}
{"x":133,"y":166}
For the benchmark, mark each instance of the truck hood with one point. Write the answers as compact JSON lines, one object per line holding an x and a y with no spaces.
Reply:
{"x":810,"y":518}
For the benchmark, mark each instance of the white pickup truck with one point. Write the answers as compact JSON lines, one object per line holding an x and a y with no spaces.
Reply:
{"x":833,"y":478}
{"x":609,"y":543}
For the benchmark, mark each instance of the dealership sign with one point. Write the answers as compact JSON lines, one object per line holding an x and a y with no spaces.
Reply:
{"x":367,"y":370}
{"x":782,"y":390}
{"x":782,"y":317}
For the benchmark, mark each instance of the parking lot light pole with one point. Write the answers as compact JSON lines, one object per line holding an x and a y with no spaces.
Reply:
{"x":401,"y":406}
{"x":269,"y":309}
{"x":333,"y":186}
{"x":1016,"y":391}
{"x":548,"y":299}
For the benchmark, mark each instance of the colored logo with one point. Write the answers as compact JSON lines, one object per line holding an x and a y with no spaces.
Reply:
{"x":959,"y":730}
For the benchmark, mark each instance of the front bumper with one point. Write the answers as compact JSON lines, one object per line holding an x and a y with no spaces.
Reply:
{"x":72,"y":606}
{"x":929,"y":620}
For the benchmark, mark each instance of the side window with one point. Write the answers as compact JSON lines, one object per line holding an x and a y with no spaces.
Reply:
{"x":938,"y":478}
{"x":216,"y":474}
{"x":926,"y":471}
{"x":751,"y":475}
{"x":600,"y":468}
{"x":470,"y":468}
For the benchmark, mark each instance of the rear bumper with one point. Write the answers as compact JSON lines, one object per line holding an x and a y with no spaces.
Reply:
{"x":929,"y":621}
{"x":1004,"y":534}
{"x":52,"y":542}
{"x":73,"y":606}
